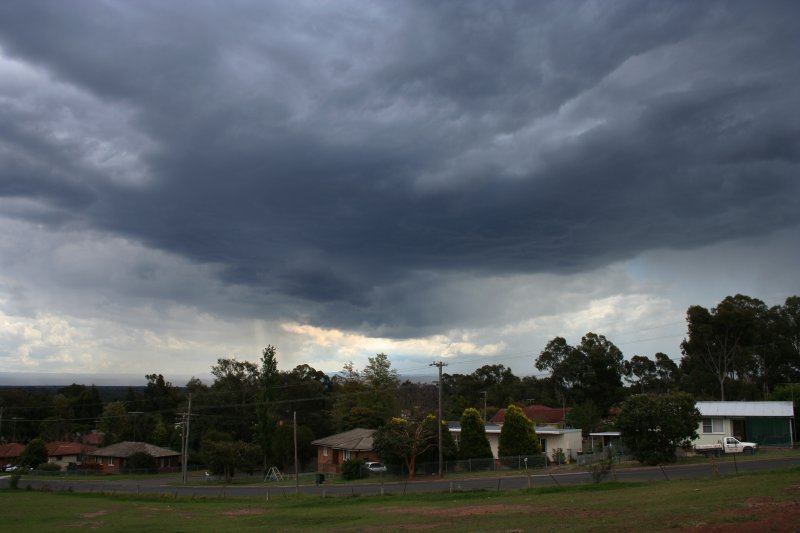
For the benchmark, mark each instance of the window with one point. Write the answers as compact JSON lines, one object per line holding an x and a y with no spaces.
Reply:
{"x":110,"y":461}
{"x":347,"y":455}
{"x":712,"y":425}
{"x":325,"y":451}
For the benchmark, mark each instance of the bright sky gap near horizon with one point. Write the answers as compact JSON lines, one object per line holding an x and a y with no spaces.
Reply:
{"x":453,"y":180}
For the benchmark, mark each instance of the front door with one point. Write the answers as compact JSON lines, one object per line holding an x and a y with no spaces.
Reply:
{"x":739,"y":429}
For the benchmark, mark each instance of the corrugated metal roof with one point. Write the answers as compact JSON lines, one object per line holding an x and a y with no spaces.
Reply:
{"x":494,"y":429}
{"x":777,"y":409}
{"x":356,"y":440}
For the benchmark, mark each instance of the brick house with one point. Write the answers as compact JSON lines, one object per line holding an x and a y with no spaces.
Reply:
{"x":112,"y":458}
{"x":332,"y":451}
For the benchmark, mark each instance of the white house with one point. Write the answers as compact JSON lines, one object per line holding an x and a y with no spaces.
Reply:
{"x":551,"y":439}
{"x":766,"y":423}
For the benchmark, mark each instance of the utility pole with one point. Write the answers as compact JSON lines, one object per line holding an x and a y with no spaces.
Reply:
{"x":187,"y":416}
{"x":440,"y":364}
{"x":484,"y":406}
{"x":296,"y":467}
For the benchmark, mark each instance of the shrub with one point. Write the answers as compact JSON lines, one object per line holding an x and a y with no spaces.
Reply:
{"x":601,"y":469}
{"x":140,"y":463}
{"x":517,"y":437}
{"x":474,"y":444}
{"x":351,"y":469}
{"x":558,"y":456}
{"x":49,"y":467}
{"x":89,"y":467}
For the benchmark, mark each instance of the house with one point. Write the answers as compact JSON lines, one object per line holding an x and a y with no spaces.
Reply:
{"x":10,"y":453}
{"x":766,"y":423}
{"x":112,"y":458}
{"x":550,"y":438}
{"x":541,"y":415}
{"x":332,"y":451}
{"x":66,"y":454}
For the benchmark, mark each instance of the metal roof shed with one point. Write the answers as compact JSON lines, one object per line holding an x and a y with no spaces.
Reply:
{"x":767,"y":423}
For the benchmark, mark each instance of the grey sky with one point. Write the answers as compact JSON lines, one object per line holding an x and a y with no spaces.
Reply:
{"x":181,"y":181}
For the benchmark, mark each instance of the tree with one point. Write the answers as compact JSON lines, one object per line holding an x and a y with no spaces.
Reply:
{"x":379,"y":372}
{"x":268,"y":381}
{"x":653,"y":426}
{"x":590,"y":371}
{"x":640,"y":371}
{"x":114,"y":423}
{"x":585,"y":416}
{"x":667,"y":372}
{"x":518,"y":435}
{"x":360,"y":402}
{"x":309,"y":394}
{"x":35,"y":453}
{"x":160,"y":434}
{"x":722,"y":338}
{"x":473,"y":443}
{"x":283,"y":446}
{"x":230,"y":404}
{"x":225,"y":455}
{"x":405,"y":440}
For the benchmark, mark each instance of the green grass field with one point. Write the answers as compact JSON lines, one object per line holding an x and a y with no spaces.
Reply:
{"x":763,"y":501}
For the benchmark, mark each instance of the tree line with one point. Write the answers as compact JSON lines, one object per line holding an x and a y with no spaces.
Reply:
{"x":740,"y":349}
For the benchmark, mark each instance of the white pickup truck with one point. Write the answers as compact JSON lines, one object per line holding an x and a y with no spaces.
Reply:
{"x":726,"y":445}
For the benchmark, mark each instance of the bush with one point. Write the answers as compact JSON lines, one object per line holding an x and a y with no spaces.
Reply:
{"x":601,"y":469}
{"x":351,"y":469}
{"x":49,"y":467}
{"x":140,"y":463}
{"x":89,"y":467}
{"x":558,"y":456}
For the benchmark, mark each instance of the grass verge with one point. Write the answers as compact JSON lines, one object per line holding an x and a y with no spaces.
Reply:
{"x":768,"y":501}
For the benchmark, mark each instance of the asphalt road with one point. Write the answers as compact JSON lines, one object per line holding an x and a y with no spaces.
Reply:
{"x":726,"y":466}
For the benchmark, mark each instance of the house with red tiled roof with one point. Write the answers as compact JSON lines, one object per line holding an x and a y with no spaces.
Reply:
{"x":10,"y":453}
{"x":541,"y":415}
{"x":66,"y":454}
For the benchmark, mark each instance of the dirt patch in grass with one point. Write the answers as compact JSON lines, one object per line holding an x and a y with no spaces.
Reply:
{"x":87,"y":525}
{"x":757,"y":514}
{"x":244,"y":512}
{"x":473,"y":510}
{"x":94,"y":514}
{"x":403,"y":527}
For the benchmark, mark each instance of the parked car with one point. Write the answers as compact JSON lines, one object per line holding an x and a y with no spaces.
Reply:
{"x":726,"y":445}
{"x":374,"y":466}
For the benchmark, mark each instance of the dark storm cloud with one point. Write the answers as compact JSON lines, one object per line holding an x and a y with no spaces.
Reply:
{"x":332,"y":151}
